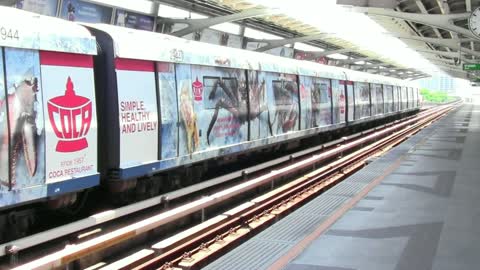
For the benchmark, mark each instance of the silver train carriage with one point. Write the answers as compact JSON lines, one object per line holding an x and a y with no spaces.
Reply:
{"x":80,"y":103}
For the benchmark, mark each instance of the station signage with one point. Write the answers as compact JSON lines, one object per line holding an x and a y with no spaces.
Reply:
{"x":471,"y":66}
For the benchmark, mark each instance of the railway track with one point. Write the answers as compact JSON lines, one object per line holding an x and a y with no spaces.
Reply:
{"x":200,"y":244}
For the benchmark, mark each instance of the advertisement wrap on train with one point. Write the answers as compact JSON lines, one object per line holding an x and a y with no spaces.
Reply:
{"x":71,"y":124}
{"x":23,"y":138}
{"x":138,"y":114}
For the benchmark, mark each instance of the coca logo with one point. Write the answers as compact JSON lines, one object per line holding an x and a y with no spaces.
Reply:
{"x":70,"y":116}
{"x":197,"y":88}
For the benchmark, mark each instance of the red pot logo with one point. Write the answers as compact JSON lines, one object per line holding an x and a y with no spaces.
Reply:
{"x":197,"y":87}
{"x":70,"y":116}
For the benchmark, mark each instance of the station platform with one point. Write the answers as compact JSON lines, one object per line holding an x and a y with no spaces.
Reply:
{"x":416,"y":207}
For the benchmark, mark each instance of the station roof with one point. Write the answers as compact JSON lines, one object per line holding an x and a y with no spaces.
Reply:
{"x":408,"y":39}
{"x":432,"y":28}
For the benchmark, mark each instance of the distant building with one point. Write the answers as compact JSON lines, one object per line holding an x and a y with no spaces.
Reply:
{"x":443,"y":83}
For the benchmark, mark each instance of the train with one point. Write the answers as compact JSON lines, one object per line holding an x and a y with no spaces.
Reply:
{"x":84,"y":106}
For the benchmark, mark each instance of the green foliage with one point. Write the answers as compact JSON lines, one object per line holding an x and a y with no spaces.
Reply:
{"x":434,"y":96}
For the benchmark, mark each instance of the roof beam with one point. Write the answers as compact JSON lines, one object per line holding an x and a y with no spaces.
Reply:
{"x":442,"y":60}
{"x":199,"y":24}
{"x":442,"y":6}
{"x":468,"y":4}
{"x":446,"y":42}
{"x":369,"y":3}
{"x":422,"y":8}
{"x":442,"y":42}
{"x":351,"y":61}
{"x":311,"y":55}
{"x":472,"y":47}
{"x":411,"y":25}
{"x":436,"y":20}
{"x":275,"y":43}
{"x":440,"y":53}
{"x":420,"y":76}
{"x":449,"y":55}
{"x":445,"y":8}
{"x":373,"y":65}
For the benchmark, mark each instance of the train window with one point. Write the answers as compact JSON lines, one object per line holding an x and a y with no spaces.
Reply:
{"x":224,"y":89}
{"x":320,"y":93}
{"x":283,"y":91}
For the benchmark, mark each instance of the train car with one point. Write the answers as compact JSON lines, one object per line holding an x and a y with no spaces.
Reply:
{"x":89,"y":105}
{"x":48,"y":126}
{"x":171,"y":102}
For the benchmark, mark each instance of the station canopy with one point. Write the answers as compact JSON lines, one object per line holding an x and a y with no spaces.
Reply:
{"x":424,"y":36}
{"x":407,"y":39}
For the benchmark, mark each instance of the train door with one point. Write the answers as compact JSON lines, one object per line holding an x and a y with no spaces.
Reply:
{"x":410,"y":97}
{"x":306,"y":95}
{"x":362,"y":100}
{"x":219,"y":97}
{"x":418,"y":98}
{"x":404,"y":98}
{"x":389,"y":98}
{"x":168,"y":100}
{"x":396,"y":98}
{"x":23,"y":144}
{"x":322,"y":102}
{"x":283,"y":105}
{"x":377,"y":98}
{"x":338,"y":101}
{"x":414,"y":97}
{"x":350,"y":101}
